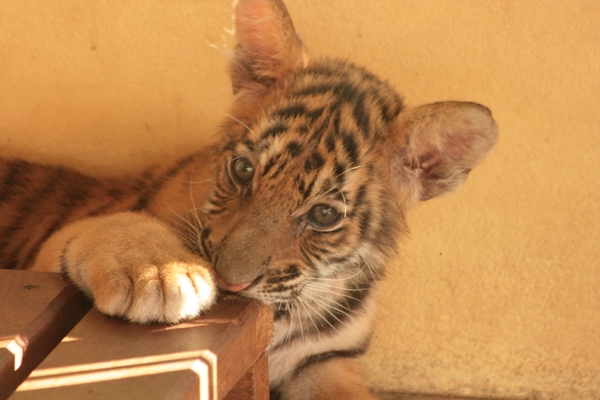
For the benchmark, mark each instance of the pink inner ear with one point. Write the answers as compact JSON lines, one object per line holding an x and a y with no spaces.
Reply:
{"x":426,"y":159}
{"x":455,"y":148}
{"x":441,"y":143}
{"x":430,"y":161}
{"x":268,"y":46}
{"x":257,"y":28}
{"x":458,"y":145}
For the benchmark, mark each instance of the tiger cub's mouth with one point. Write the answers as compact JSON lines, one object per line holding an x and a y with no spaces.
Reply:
{"x":236,"y":287}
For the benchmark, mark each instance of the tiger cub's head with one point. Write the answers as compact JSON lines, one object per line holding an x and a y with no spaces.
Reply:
{"x":318,"y":163}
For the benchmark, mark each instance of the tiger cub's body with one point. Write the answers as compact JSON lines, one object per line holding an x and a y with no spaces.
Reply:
{"x":298,"y":205}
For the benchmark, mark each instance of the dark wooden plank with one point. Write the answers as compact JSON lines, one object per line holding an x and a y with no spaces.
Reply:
{"x":37,"y":312}
{"x":23,"y":295}
{"x":254,"y":385}
{"x":204,"y":357}
{"x":242,"y":345}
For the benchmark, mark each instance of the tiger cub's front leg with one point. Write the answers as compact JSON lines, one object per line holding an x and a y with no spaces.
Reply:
{"x":133,"y":266}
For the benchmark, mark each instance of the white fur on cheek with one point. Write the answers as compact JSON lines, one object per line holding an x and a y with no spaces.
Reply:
{"x":283,"y":360}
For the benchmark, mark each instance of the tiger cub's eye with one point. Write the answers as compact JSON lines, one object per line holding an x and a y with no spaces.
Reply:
{"x":241,"y":170}
{"x":323,"y":216}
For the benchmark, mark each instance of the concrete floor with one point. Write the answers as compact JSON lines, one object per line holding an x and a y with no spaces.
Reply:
{"x":404,"y":396}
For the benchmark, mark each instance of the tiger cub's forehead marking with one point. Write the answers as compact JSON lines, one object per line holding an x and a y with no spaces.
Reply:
{"x":322,"y":134}
{"x":331,"y":104}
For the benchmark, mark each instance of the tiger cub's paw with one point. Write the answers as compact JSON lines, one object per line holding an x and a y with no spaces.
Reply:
{"x":167,"y":292}
{"x":137,"y":268}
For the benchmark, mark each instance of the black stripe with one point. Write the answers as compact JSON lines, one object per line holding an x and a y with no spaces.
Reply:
{"x":360,"y":196}
{"x":74,"y":198}
{"x":314,"y":90}
{"x":24,"y":211}
{"x":290,"y":273}
{"x":342,"y":240}
{"x":329,"y":321}
{"x":390,"y":105}
{"x":274,"y":131}
{"x":291,"y":111}
{"x":205,"y":244}
{"x":298,"y":110}
{"x":250,"y":144}
{"x":346,"y":91}
{"x":335,"y":121}
{"x":308,"y":190}
{"x":229,"y":146}
{"x":307,"y":256}
{"x":365,"y":224}
{"x":226,"y":190}
{"x":330,"y":143}
{"x":349,"y":93}
{"x":386,"y":231}
{"x":275,"y":394}
{"x":280,"y":313}
{"x":302,"y":129}
{"x":315,"y":252}
{"x":314,"y":162}
{"x":318,"y":130}
{"x":294,"y":149}
{"x":326,"y":356}
{"x":16,"y":172}
{"x":362,"y":117}
{"x":314,"y":114}
{"x":351,"y":147}
{"x":280,"y":168}
{"x":340,"y":171}
{"x":387,"y":100}
{"x":301,"y":185}
{"x":347,"y":305}
{"x":270,"y":164}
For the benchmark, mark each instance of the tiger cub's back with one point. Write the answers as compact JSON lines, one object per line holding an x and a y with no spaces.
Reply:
{"x":36,"y":200}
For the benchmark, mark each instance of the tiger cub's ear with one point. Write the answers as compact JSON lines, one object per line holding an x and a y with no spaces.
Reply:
{"x":437,"y":145}
{"x":268,"y":46}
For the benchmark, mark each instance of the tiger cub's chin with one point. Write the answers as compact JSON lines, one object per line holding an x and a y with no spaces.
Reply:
{"x":299,"y":204}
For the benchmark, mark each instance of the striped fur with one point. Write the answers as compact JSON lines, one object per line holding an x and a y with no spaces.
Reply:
{"x":300,"y":205}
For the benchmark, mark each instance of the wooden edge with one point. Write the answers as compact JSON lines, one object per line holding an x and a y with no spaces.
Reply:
{"x":40,"y":337}
{"x":186,"y":388}
{"x":255,"y":384}
{"x":242,"y":345}
{"x":198,"y":381}
{"x":260,"y":378}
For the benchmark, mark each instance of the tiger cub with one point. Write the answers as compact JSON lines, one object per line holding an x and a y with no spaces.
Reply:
{"x":299,"y":205}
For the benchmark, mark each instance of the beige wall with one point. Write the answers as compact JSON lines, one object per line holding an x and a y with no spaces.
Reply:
{"x":497,"y":289}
